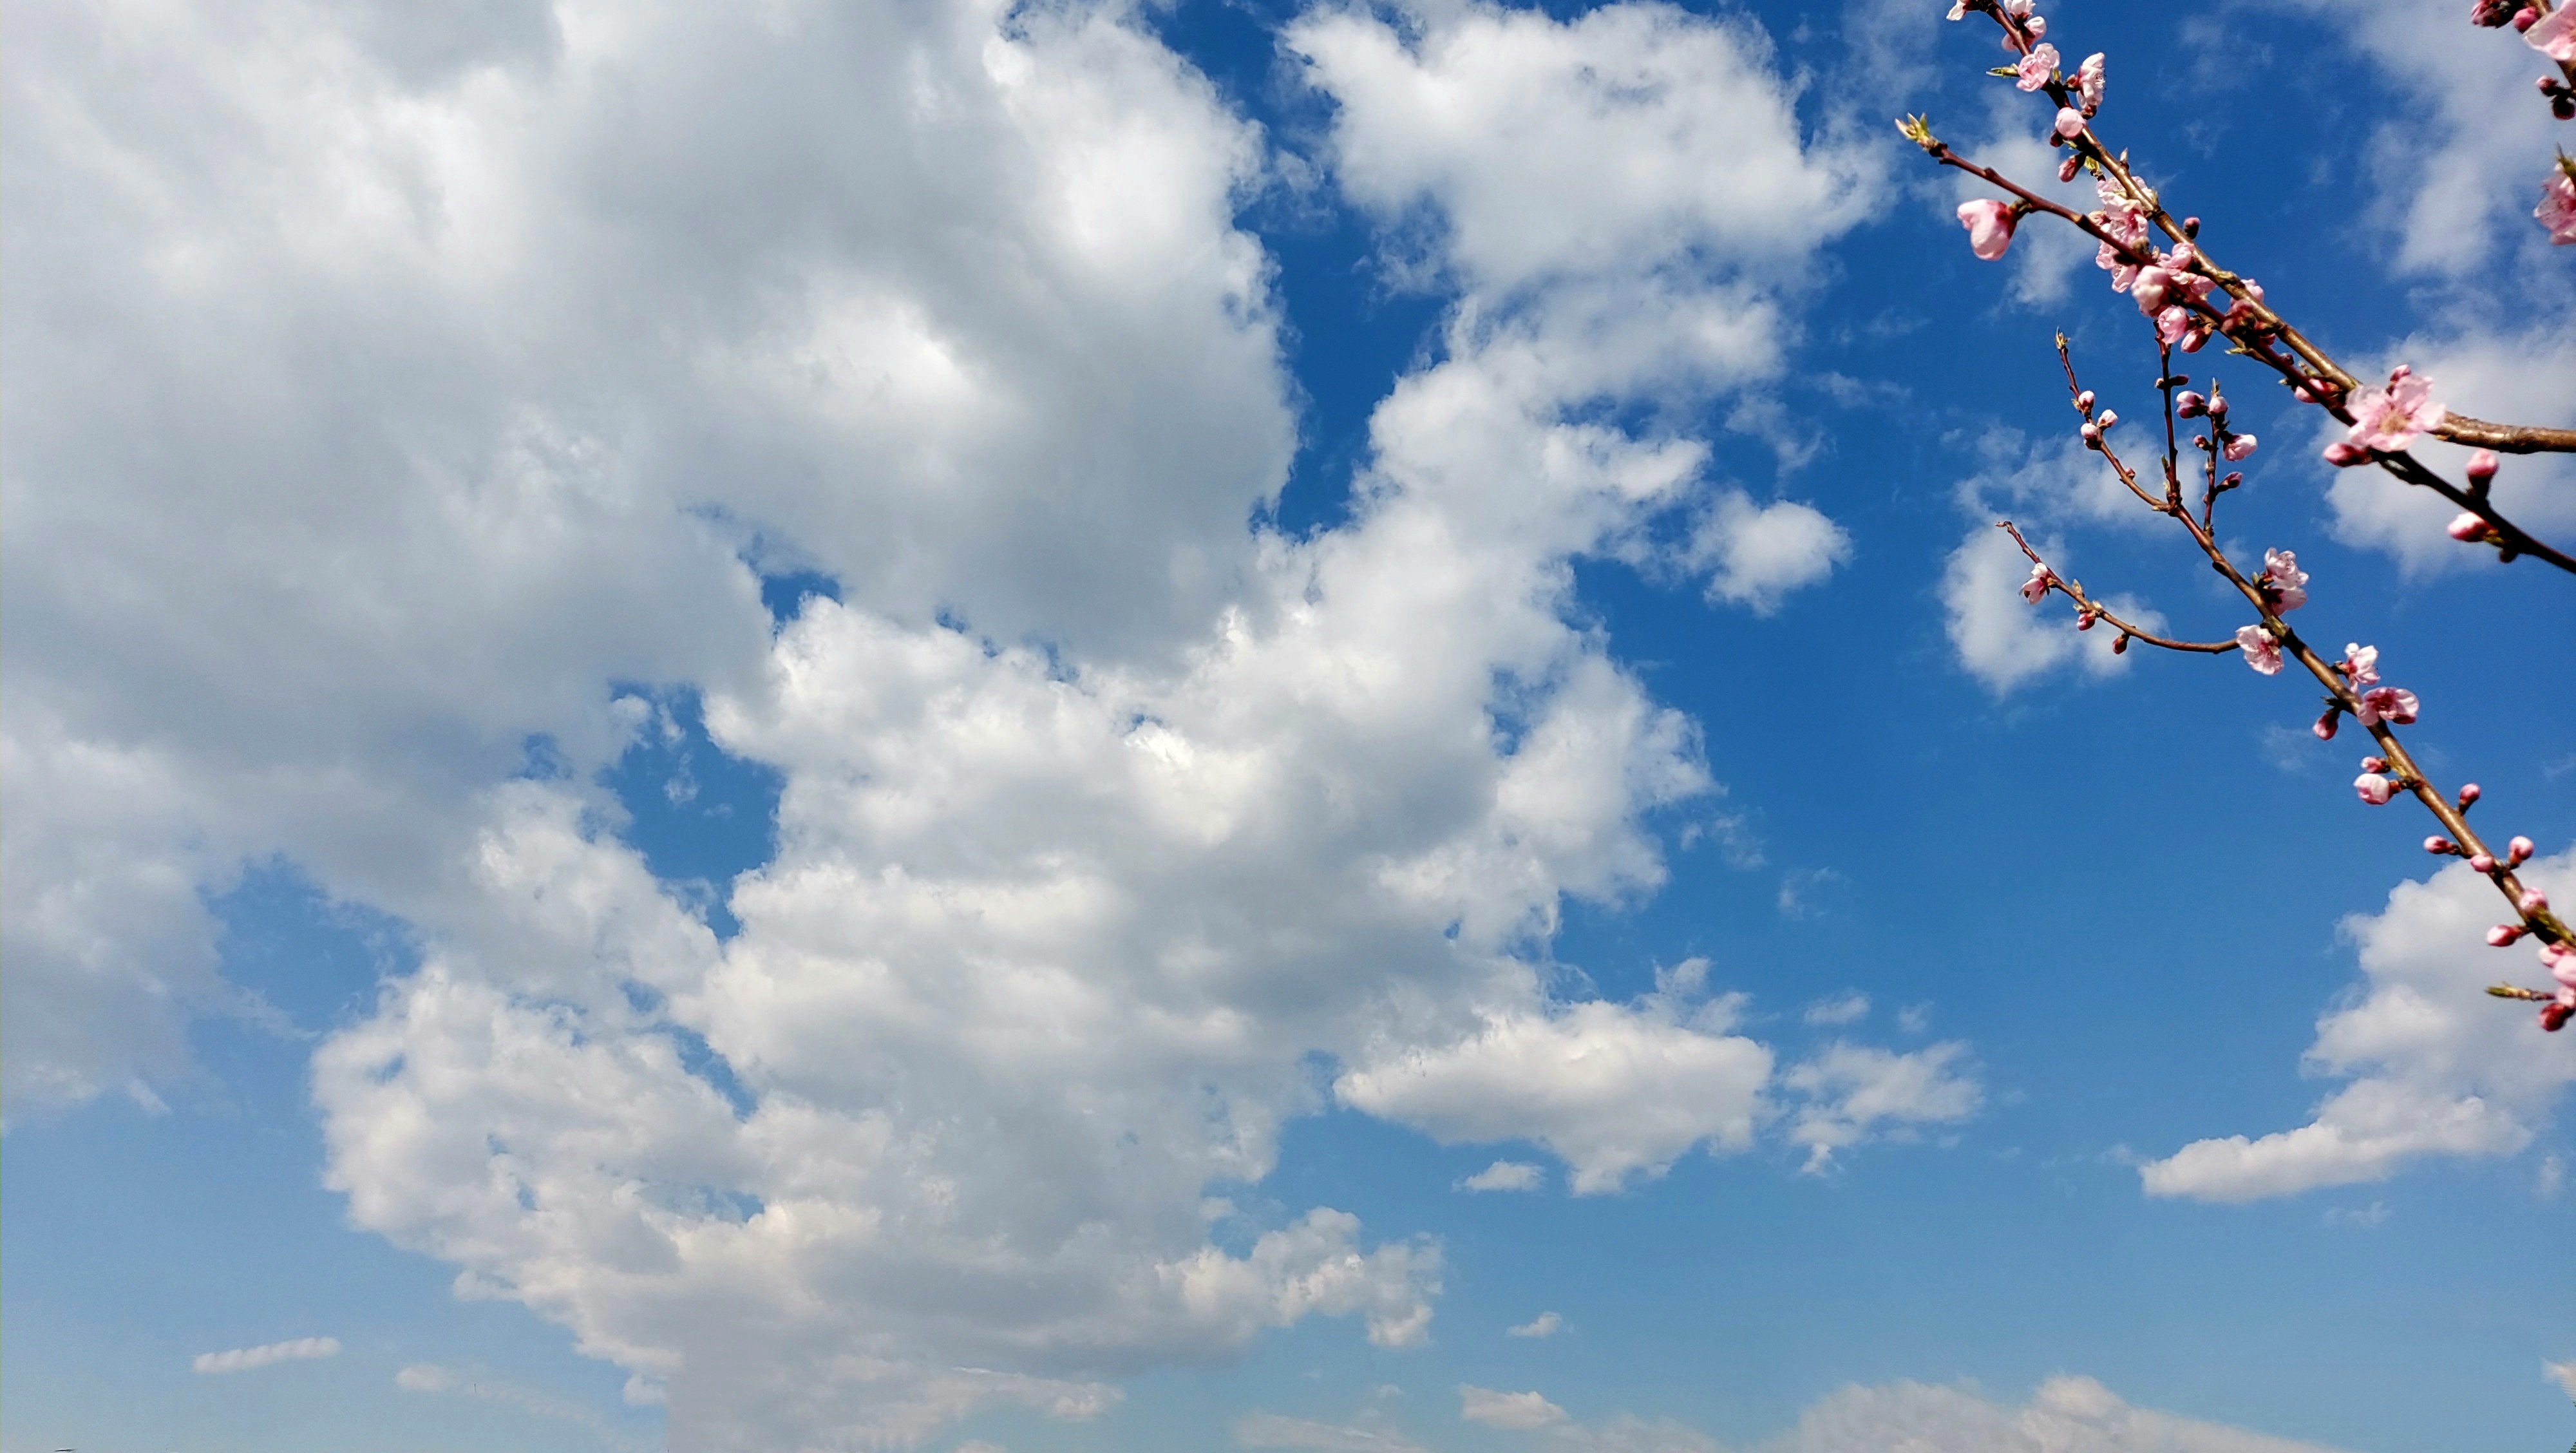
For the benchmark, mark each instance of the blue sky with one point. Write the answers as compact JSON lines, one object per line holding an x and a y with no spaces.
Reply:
{"x":1240,"y":726}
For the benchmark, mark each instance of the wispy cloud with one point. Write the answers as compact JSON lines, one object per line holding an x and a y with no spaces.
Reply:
{"x":243,"y":1359}
{"x":430,"y":1377}
{"x":1504,"y":1175}
{"x":1545,"y":1324}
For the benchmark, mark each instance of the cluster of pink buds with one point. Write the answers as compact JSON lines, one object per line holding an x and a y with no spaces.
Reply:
{"x":2189,"y":405}
{"x":2285,"y":585}
{"x":2374,"y":785}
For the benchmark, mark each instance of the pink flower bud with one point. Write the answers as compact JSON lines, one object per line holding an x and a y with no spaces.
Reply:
{"x":2440,"y":847}
{"x":2070,"y":124}
{"x":2238,"y":446}
{"x":2374,"y":764}
{"x":2343,"y":455}
{"x":2466,"y":528}
{"x":2517,"y":852}
{"x":2482,"y":863}
{"x":2189,"y":405}
{"x":2326,"y":725}
{"x":2107,"y":418}
{"x":1990,"y":227}
{"x":2374,"y":789}
{"x":2532,"y":901}
{"x":2553,"y":1015}
{"x":2525,"y":18}
{"x":2482,"y":465}
{"x":2469,"y":795}
{"x":2074,"y":163}
{"x":2505,"y":935}
{"x":2092,"y":433}
{"x":2084,"y":401}
{"x":2037,"y":25}
{"x":2153,"y":289}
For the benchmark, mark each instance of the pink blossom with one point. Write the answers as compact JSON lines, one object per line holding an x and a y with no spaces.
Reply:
{"x":2108,"y":417}
{"x":2238,"y":446}
{"x":2481,"y":863}
{"x":2074,"y":163}
{"x":2482,"y":466}
{"x":2440,"y":847}
{"x":2557,"y":209}
{"x":2532,"y":901}
{"x":2261,"y":651}
{"x":2555,"y":34}
{"x":2035,"y":587}
{"x":2037,"y":25}
{"x":2505,"y":935}
{"x":2387,"y":420}
{"x":2468,"y":795}
{"x":2361,"y":664}
{"x":1959,"y":10}
{"x":2344,"y":456}
{"x":2288,"y":582}
{"x":1990,"y":227}
{"x":2386,"y":703}
{"x":2070,"y":124}
{"x":2374,"y":764}
{"x":2374,"y":789}
{"x":2326,"y":724}
{"x":2153,"y":289}
{"x":2518,"y":852}
{"x":2088,"y":82}
{"x":2466,"y":528}
{"x":2173,"y":323}
{"x":2189,"y":405}
{"x":2037,"y":68}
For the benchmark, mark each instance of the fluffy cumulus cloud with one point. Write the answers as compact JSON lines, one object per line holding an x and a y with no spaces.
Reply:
{"x":243,"y":1359}
{"x":379,"y":402}
{"x":2432,"y":1066}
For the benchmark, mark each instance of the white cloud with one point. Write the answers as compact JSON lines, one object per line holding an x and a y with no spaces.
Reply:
{"x":1614,"y":1091}
{"x":2516,"y":379}
{"x":2434,"y":1066}
{"x":1514,"y":1410}
{"x":1756,"y":554}
{"x":1848,"y":1007}
{"x":2065,"y":1415}
{"x":1270,"y":1430}
{"x":1505,"y":1175}
{"x":949,"y":303}
{"x":1545,"y":1324}
{"x":2563,"y":1374}
{"x":2460,"y":161}
{"x":243,"y":1359}
{"x":1854,"y":1091}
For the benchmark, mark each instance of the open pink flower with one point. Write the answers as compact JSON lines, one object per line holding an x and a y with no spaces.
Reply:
{"x":2037,"y":68}
{"x":2557,"y":209}
{"x":2374,"y":789}
{"x":2238,"y":446}
{"x":2288,"y":582}
{"x":2261,"y":651}
{"x":2037,"y":586}
{"x":2088,"y":83}
{"x":2388,"y":704}
{"x":2361,"y":664}
{"x":2555,"y":34}
{"x":2389,"y":419}
{"x":1990,"y":227}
